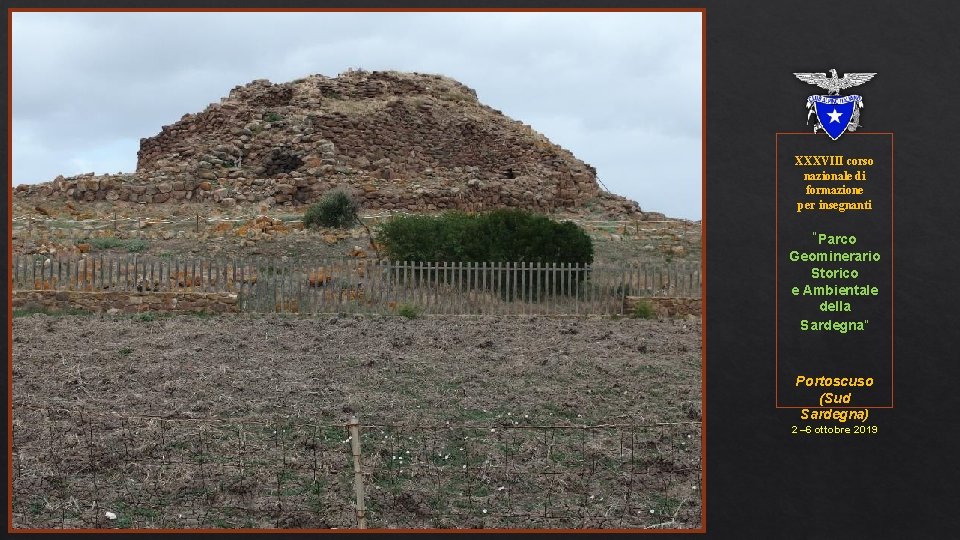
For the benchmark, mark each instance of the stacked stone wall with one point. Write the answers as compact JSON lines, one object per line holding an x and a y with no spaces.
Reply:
{"x":127,"y":302}
{"x":667,"y":307}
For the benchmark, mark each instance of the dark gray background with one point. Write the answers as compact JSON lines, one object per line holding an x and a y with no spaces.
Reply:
{"x":763,"y":482}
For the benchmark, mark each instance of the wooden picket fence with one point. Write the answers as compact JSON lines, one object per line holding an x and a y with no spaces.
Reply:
{"x":354,"y":285}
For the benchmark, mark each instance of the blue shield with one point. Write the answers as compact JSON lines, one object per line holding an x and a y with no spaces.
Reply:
{"x":834,"y":112}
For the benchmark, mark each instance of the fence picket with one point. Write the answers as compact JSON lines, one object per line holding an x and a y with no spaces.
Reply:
{"x":576,"y":287}
{"x":442,"y":281}
{"x":352,"y":285}
{"x":460,"y":289}
{"x":516,"y":277}
{"x":474,"y":282}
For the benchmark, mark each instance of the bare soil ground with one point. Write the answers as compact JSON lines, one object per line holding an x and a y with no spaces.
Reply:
{"x":493,"y":422}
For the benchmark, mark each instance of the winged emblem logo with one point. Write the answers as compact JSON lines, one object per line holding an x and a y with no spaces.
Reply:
{"x":835,"y":113}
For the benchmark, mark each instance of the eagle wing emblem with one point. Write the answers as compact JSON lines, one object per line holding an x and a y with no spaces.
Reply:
{"x":834,"y":83}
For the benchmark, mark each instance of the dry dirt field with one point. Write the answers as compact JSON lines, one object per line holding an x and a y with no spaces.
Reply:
{"x":494,"y":422}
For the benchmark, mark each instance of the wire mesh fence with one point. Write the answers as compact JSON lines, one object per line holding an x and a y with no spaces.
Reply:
{"x":87,"y":469}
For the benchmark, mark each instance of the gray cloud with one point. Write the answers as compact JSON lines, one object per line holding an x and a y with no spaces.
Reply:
{"x":622,"y":91}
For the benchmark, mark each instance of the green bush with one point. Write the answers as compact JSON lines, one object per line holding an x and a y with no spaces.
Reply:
{"x":132,"y":245}
{"x":136,"y":245}
{"x":335,"y":209}
{"x":34,"y":309}
{"x":408,"y":311}
{"x":643,"y":310}
{"x":501,"y":236}
{"x":497,"y":236}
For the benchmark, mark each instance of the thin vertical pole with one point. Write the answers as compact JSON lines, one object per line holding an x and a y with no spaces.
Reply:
{"x":523,"y":287}
{"x":354,"y":426}
{"x":483,"y":286}
{"x":474,"y":283}
{"x":238,"y":269}
{"x":496,"y":282}
{"x":513,"y":266}
{"x":576,"y":288}
{"x":463,"y":274}
{"x":537,"y":282}
{"x":443,"y":273}
{"x":298,"y":269}
{"x":406,"y":282}
{"x":425,"y":286}
{"x":624,"y":279}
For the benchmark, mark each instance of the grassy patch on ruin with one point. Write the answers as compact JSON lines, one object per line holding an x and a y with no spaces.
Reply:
{"x":130,"y":245}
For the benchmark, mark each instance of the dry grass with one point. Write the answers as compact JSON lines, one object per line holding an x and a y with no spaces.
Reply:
{"x":184,"y":422}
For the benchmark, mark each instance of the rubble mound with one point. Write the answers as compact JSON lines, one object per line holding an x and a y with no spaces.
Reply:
{"x":396,"y":141}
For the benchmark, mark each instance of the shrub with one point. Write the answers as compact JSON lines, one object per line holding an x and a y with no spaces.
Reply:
{"x":500,"y":236}
{"x":34,"y":309}
{"x":132,"y":245}
{"x":108,"y":242}
{"x":408,"y":311}
{"x":136,"y":245}
{"x":497,"y":236}
{"x":643,"y":310}
{"x":335,"y":209}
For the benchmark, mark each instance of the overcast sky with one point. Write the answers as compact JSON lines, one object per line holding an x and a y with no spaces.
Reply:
{"x":622,"y":91}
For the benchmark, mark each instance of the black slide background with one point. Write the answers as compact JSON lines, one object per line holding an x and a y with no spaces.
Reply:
{"x":763,"y":482}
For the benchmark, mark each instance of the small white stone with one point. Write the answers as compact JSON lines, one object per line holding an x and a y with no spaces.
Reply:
{"x":110,"y":515}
